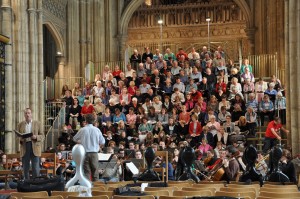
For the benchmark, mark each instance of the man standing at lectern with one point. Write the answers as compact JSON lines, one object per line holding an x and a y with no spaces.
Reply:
{"x":31,"y":148}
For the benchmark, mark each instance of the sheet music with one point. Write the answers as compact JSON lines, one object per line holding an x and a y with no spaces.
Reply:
{"x":130,"y":166}
{"x":23,"y":135}
{"x":102,"y":157}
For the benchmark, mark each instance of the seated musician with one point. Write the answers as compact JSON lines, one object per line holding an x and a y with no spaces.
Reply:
{"x":287,"y":166}
{"x":70,"y":167}
{"x":111,"y":174}
{"x":12,"y":183}
{"x":261,"y":165}
{"x":211,"y":161}
{"x":231,"y":165}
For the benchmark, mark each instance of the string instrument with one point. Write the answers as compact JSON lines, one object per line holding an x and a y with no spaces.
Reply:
{"x":217,"y":172}
{"x":11,"y":165}
{"x":48,"y":165}
{"x":207,"y":160}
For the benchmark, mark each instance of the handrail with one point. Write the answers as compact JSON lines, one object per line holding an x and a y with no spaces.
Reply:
{"x":53,"y":132}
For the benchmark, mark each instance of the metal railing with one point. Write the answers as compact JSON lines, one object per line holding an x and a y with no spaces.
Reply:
{"x":54,"y":122}
{"x":264,"y":65}
{"x":53,"y":87}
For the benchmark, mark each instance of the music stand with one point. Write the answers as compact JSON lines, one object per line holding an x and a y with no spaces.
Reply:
{"x":105,"y":160}
{"x":137,"y":162}
{"x":103,"y":157}
{"x":129,"y":153}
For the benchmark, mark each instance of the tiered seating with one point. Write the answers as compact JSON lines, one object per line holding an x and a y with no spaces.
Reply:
{"x":20,"y":195}
{"x":193,"y":193}
{"x":64,"y":194}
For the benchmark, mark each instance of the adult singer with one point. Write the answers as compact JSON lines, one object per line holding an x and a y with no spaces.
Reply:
{"x":31,"y":148}
{"x":91,"y":138}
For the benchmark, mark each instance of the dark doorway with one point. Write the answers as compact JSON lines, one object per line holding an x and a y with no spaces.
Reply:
{"x":50,"y":52}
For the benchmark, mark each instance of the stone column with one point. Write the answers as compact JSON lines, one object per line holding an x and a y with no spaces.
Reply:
{"x":89,"y":28}
{"x":250,"y":32}
{"x":292,"y":37}
{"x":82,"y":39}
{"x":32,"y":58}
{"x":40,"y":61}
{"x":6,"y":30}
{"x":122,"y":47}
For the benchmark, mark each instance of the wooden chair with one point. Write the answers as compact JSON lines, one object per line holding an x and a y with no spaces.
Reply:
{"x":133,"y":197}
{"x":264,"y":197}
{"x":98,"y":183}
{"x":193,"y":193}
{"x":99,"y":188}
{"x":20,"y":195}
{"x":278,"y":190}
{"x":278,"y":183}
{"x":216,"y":186}
{"x":244,"y":194}
{"x":238,"y":190}
{"x":280,"y":195}
{"x":212,"y":189}
{"x":50,"y":197}
{"x":245,"y":187}
{"x":212,"y":182}
{"x":93,"y":197}
{"x":158,"y":193}
{"x":64,"y":194}
{"x":51,"y":156}
{"x":281,"y":186}
{"x":103,"y":193}
{"x":170,"y":189}
{"x":172,"y":197}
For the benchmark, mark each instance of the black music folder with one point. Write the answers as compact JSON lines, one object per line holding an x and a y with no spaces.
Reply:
{"x":23,"y":135}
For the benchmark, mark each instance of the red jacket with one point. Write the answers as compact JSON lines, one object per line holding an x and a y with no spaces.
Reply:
{"x":87,"y":109}
{"x":198,"y":128}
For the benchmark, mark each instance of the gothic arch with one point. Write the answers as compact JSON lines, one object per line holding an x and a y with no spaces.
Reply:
{"x":57,"y":37}
{"x":134,"y":5}
{"x":127,"y":14}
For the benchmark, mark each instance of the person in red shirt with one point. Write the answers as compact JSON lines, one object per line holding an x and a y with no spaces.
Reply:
{"x":87,"y":108}
{"x":273,"y":134}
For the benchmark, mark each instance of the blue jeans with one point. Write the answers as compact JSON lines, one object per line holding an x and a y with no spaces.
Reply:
{"x":35,"y":162}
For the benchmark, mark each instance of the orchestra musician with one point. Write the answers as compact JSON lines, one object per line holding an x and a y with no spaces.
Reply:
{"x":111,"y":174}
{"x":261,"y":166}
{"x":211,"y":161}
{"x":287,"y":166}
{"x":231,"y":165}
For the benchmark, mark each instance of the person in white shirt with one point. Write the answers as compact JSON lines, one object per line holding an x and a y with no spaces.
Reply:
{"x":90,"y":138}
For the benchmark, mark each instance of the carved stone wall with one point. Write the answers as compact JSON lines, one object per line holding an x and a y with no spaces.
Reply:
{"x":184,"y":25}
{"x":54,"y":15}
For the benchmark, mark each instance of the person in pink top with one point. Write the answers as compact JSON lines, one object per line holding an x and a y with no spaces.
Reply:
{"x":204,"y":148}
{"x":131,"y":116}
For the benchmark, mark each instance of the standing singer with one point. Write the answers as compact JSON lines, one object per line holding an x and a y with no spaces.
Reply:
{"x":31,"y":148}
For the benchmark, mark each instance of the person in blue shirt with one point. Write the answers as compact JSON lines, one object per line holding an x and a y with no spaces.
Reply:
{"x":119,"y":116}
{"x":266,"y":108}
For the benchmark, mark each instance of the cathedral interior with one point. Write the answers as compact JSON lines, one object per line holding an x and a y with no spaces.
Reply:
{"x":48,"y":43}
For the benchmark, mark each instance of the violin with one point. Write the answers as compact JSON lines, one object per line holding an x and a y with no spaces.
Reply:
{"x":11,"y":165}
{"x":48,"y":165}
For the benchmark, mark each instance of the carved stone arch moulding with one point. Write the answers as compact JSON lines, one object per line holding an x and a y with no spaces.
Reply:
{"x":135,"y":4}
{"x":57,"y":37}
